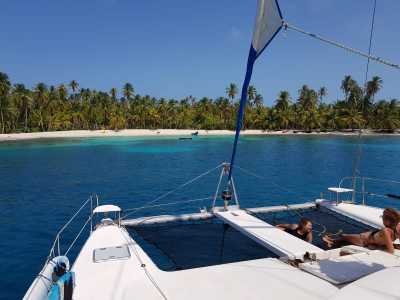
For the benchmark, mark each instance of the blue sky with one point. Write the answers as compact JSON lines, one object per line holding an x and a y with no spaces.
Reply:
{"x":178,"y":48}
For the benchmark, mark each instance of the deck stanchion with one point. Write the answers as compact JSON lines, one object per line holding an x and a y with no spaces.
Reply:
{"x":218,"y":185}
{"x":363,"y":189}
{"x":91,"y":214}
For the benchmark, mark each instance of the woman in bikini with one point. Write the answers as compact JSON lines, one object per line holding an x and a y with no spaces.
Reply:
{"x":377,"y":239}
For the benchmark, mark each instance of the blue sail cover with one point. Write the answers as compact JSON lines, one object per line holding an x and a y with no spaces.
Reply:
{"x":268,"y":23}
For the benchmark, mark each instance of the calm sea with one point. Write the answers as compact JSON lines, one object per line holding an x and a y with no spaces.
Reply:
{"x":43,"y":182}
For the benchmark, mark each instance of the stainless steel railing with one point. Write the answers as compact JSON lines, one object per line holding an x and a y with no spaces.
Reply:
{"x":363,"y":191}
{"x":55,"y":249}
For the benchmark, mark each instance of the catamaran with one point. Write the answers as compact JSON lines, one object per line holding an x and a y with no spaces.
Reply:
{"x":245,"y":255}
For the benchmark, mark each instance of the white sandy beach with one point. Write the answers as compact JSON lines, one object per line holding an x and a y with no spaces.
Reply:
{"x":161,"y":132}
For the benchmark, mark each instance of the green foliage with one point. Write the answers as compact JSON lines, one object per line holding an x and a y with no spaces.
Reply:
{"x":69,"y":107}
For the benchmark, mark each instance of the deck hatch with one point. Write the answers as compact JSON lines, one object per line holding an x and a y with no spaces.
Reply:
{"x":111,"y":253}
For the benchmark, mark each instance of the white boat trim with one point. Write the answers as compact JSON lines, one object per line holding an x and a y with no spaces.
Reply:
{"x":368,"y":215}
{"x":276,"y":240}
{"x":106,"y":209}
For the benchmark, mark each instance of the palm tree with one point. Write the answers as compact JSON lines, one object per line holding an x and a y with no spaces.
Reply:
{"x":63,"y":92}
{"x":5,"y":87}
{"x":74,"y":86}
{"x":251,"y":94}
{"x":355,"y":97}
{"x":307,"y":108}
{"x":351,"y":117}
{"x":373,"y":87}
{"x":347,"y":85}
{"x":258,"y":100}
{"x":386,"y":116}
{"x":113,"y":93}
{"x":231,"y":91}
{"x":322,"y":92}
{"x":283,"y":101}
{"x":128,"y":91}
{"x":24,"y":101}
{"x":41,"y":99}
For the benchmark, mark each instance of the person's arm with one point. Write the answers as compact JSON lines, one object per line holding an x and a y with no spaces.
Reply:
{"x":309,"y":237}
{"x":387,"y":238}
{"x":284,"y":226}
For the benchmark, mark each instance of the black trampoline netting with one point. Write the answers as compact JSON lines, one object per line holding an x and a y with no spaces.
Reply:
{"x":185,"y":245}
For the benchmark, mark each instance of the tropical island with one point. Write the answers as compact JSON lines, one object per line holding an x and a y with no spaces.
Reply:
{"x":69,"y":107}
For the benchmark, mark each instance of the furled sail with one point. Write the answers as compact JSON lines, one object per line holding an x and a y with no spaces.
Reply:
{"x":268,"y":23}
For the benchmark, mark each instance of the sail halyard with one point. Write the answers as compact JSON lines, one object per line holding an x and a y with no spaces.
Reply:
{"x":269,"y":22}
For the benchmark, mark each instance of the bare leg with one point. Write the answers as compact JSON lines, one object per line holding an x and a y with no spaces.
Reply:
{"x":354,"y":239}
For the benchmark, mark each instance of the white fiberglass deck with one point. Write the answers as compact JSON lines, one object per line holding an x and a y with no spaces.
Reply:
{"x":267,"y":235}
{"x":371,"y":216}
{"x":127,"y":279}
{"x":348,"y":268}
{"x":382,"y":285}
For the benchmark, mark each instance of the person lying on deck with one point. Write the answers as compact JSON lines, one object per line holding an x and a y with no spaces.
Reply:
{"x":376,"y":239}
{"x":303,"y":230}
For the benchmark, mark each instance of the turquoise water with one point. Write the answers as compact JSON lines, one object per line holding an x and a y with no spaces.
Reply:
{"x":43,"y":182}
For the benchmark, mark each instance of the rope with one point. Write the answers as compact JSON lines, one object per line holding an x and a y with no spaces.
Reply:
{"x":336,"y":44}
{"x":133,"y":210}
{"x":370,"y":41}
{"x":143,"y":266}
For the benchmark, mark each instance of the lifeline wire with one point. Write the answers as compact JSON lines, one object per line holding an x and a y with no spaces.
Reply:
{"x":133,"y":210}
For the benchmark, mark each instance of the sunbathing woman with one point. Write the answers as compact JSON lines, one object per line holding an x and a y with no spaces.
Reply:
{"x":377,"y":239}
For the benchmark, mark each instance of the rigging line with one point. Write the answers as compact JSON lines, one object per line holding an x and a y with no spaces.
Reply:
{"x":336,"y":44}
{"x":179,"y":187}
{"x":269,"y":181}
{"x":370,"y":41}
{"x":143,"y":265}
{"x":356,"y":170}
{"x":171,"y":203}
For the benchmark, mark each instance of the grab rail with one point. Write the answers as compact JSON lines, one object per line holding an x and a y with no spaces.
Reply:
{"x":364,"y":191}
